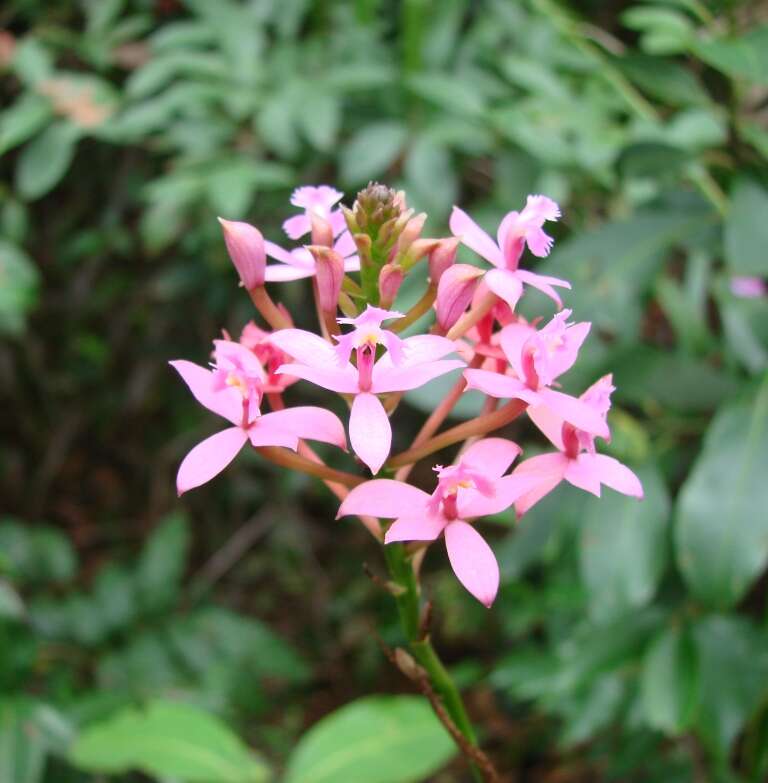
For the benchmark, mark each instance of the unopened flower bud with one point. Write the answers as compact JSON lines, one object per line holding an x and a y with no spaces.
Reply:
{"x":454,"y":293}
{"x":329,"y":276}
{"x":245,"y":246}
{"x":322,"y":230}
{"x":418,"y":249}
{"x":412,"y":230}
{"x":442,"y":257}
{"x":390,"y":279}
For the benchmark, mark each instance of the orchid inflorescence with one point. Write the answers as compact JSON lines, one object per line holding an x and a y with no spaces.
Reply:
{"x":357,"y":259}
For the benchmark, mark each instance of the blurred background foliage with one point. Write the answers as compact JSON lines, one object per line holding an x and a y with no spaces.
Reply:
{"x":198,"y":640}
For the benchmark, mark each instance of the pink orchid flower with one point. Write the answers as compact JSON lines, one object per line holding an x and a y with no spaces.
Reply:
{"x":407,"y":364}
{"x":233,"y":388}
{"x":474,"y":487}
{"x":299,"y":262}
{"x":576,"y":462}
{"x":748,"y":287}
{"x":537,"y":359}
{"x":516,"y":230}
{"x":318,"y":200}
{"x":271,"y":358}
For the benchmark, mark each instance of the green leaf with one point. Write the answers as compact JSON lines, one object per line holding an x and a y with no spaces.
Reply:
{"x":670,"y":680}
{"x":431,"y":179}
{"x":45,"y":160}
{"x":161,"y":565}
{"x":22,"y":750}
{"x":665,"y":80}
{"x":26,"y":117}
{"x":449,"y":92}
{"x":378,"y":739}
{"x":371,"y":151}
{"x":743,"y":57}
{"x":722,"y":527}
{"x":320,"y":118}
{"x":664,"y":31}
{"x":746,"y":229}
{"x":622,"y":547}
{"x":11,"y":605}
{"x":167,"y":740}
{"x":32,"y":62}
{"x":733,"y":666}
{"x":19,"y":282}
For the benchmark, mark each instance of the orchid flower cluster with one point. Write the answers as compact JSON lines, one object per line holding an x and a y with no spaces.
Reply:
{"x":357,"y":259}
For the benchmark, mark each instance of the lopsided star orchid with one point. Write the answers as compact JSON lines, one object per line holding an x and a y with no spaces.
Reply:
{"x":233,"y":388}
{"x":407,"y":364}
{"x":515,"y":231}
{"x":576,"y":460}
{"x":537,"y":358}
{"x":474,"y":487}
{"x":318,"y":201}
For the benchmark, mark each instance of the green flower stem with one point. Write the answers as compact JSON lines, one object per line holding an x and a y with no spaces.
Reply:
{"x":408,"y":604}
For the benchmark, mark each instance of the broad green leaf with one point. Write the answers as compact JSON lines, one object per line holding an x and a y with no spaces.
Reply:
{"x":276,"y":125}
{"x":722,"y":525}
{"x":18,"y":287}
{"x":743,"y":57}
{"x":733,"y":665}
{"x":45,"y":160}
{"x":623,"y":547}
{"x":32,"y":62}
{"x":378,"y":739}
{"x":23,"y":119}
{"x":161,"y":565}
{"x":167,"y":740}
{"x":371,"y":151}
{"x":670,"y":680}
{"x":611,"y":267}
{"x":746,"y":229}
{"x":162,"y":69}
{"x":663,"y":30}
{"x":665,"y":80}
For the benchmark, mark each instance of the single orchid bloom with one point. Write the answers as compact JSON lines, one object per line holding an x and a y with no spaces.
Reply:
{"x":516,"y":230}
{"x":537,"y":358}
{"x":749,"y":287}
{"x":576,"y":462}
{"x":315,"y":200}
{"x":299,"y":262}
{"x":257,"y":340}
{"x":407,"y":364}
{"x":474,"y":487}
{"x":233,"y":388}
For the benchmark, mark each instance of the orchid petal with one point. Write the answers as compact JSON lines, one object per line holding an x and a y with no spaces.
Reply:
{"x":226,"y":402}
{"x":286,"y":257}
{"x":506,"y":491}
{"x":505,"y":284}
{"x":582,"y":474}
{"x":282,"y":273}
{"x":549,"y":423}
{"x":307,"y":348}
{"x":539,"y":242}
{"x":492,"y":456}
{"x":415,"y":527}
{"x":472,"y":561}
{"x":615,"y":475}
{"x":495,"y":384}
{"x":369,"y":431}
{"x":575,"y":411}
{"x":268,"y":431}
{"x":296,"y":226}
{"x":420,"y":349}
{"x":549,"y":470}
{"x":310,"y":422}
{"x":209,"y":458}
{"x":388,"y":379}
{"x":352,"y":264}
{"x":474,"y":237}
{"x":383,"y":498}
{"x":345,"y":245}
{"x":342,"y":380}
{"x":544,"y":285}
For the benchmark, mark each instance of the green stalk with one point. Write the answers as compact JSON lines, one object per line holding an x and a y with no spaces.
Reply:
{"x":408,"y":604}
